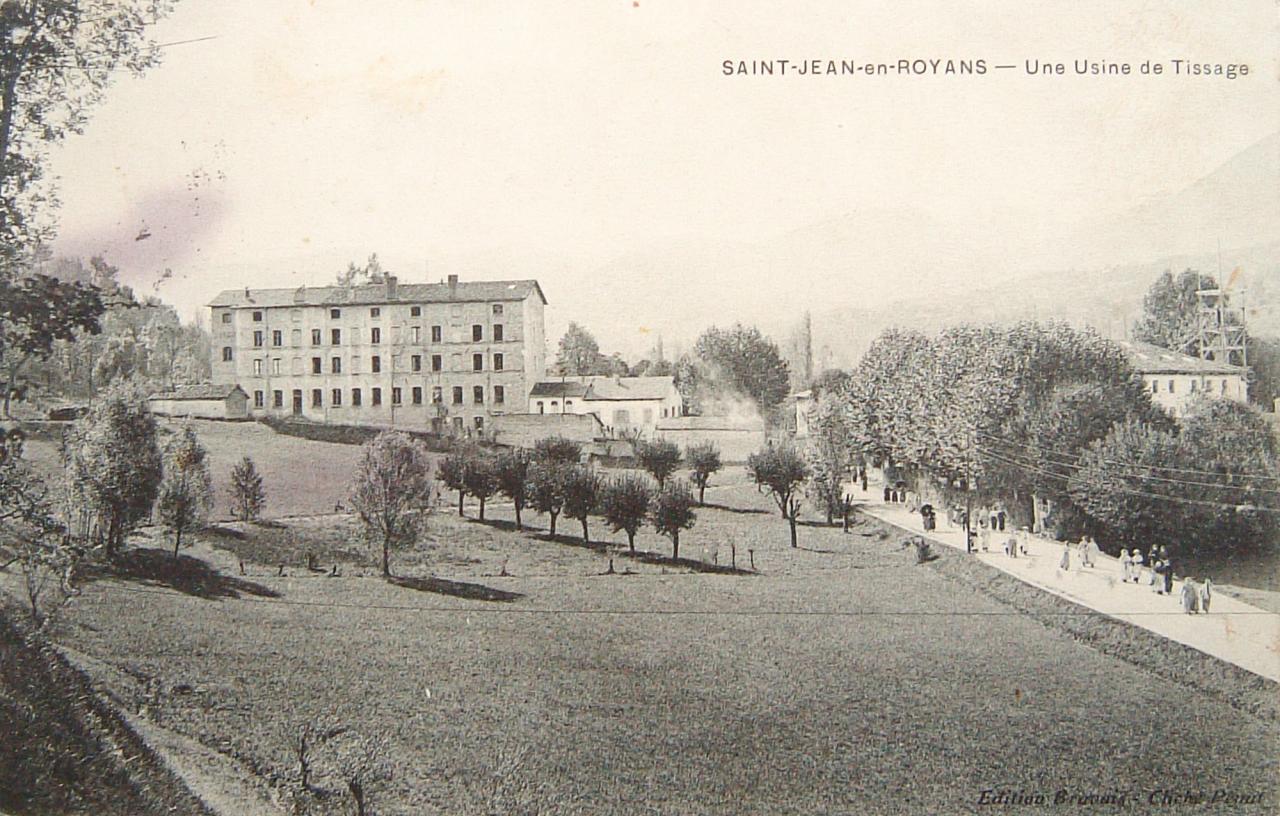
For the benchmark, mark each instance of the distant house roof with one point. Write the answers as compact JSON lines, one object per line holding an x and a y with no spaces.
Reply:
{"x":610,"y":389}
{"x":207,"y":391}
{"x":377,"y":293}
{"x":1150,"y":359}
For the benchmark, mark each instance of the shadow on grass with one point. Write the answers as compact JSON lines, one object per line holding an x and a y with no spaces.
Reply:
{"x":501,"y":524}
{"x":646,"y":557}
{"x":749,"y":511}
{"x":185,"y":574}
{"x":458,"y":589}
{"x":218,"y":531}
{"x":572,"y":541}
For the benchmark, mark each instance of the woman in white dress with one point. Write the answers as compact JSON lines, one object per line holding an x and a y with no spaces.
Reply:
{"x":1126,"y":565}
{"x":1136,"y":569}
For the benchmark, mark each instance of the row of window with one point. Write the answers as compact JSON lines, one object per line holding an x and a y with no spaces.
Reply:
{"x":375,"y":397}
{"x":1195,"y":386}
{"x":375,"y":336}
{"x":375,"y":363}
{"x":375,"y":311}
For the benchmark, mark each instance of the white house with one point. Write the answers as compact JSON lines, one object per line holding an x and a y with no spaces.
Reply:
{"x":201,"y":402}
{"x":1174,"y":378}
{"x":623,"y":404}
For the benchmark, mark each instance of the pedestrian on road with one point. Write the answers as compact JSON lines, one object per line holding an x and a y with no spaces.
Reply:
{"x":1168,"y":570}
{"x":1065,"y":563}
{"x":1136,"y":571}
{"x":1001,"y":516}
{"x":1126,"y":565}
{"x":1190,"y":597}
{"x":984,"y":532}
{"x":1206,"y":595}
{"x":1157,"y":574}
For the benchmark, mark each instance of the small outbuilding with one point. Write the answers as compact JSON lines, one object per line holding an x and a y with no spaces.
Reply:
{"x":208,"y":401}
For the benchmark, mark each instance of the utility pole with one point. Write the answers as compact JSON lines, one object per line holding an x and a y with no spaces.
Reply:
{"x":968,"y":495}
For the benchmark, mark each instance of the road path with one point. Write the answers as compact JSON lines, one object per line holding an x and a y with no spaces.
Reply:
{"x":1232,"y":631}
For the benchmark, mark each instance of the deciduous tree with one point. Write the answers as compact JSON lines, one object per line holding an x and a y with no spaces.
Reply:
{"x":781,"y":471}
{"x":35,"y":312}
{"x":513,"y":479}
{"x":704,"y":460}
{"x":581,"y":495}
{"x":393,"y":492}
{"x":247,"y":492}
{"x":480,"y":478}
{"x":660,"y":457}
{"x":186,"y":490}
{"x":672,"y":511}
{"x":625,"y":502}
{"x":748,"y":362}
{"x":547,"y":488}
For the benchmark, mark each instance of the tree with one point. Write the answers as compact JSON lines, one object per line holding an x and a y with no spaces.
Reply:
{"x":36,"y":311}
{"x":581,"y":495}
{"x":704,"y":459}
{"x":829,"y":465}
{"x":557,"y":449}
{"x":748,"y":362}
{"x":625,"y":502}
{"x":513,"y":479}
{"x":1170,"y":312}
{"x":547,"y":488}
{"x":452,"y":470}
{"x":371,"y":272}
{"x":57,"y":58}
{"x":393,"y":492}
{"x":29,"y":532}
{"x":247,"y":493}
{"x":672,"y":511}
{"x":186,"y":491}
{"x":480,"y":478}
{"x":781,"y":470}
{"x":113,"y":466}
{"x":579,"y":353}
{"x":659,"y":457}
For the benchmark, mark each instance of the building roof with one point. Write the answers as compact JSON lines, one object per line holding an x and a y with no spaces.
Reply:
{"x":376,"y":293}
{"x":609,"y":389}
{"x":1150,"y":359}
{"x":206,"y":391}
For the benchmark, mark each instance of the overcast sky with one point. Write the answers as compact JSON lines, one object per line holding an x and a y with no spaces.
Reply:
{"x":597,"y":146}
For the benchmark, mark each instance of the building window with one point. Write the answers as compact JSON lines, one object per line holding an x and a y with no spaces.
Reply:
{"x":375,"y":335}
{"x":316,"y":365}
{"x":457,"y":395}
{"x":335,"y":398}
{"x":335,"y":365}
{"x":295,"y":337}
{"x":317,"y":398}
{"x":226,"y":317}
{"x":499,"y":395}
{"x":226,"y":354}
{"x":415,"y":311}
{"x":277,"y":399}
{"x":375,"y":312}
{"x":277,"y":338}
{"x":554,"y":405}
{"x":355,"y":397}
{"x":457,"y":425}
{"x":477,"y":362}
{"x":477,"y":333}
{"x":335,"y":336}
{"x":259,"y":399}
{"x":1155,"y":386}
{"x":257,"y":368}
{"x":497,"y":333}
{"x":376,"y":364}
{"x":437,"y":362}
{"x":335,"y":313}
{"x":315,"y":337}
{"x":257,"y":339}
{"x":275,"y":366}
{"x":1170,"y":386}
{"x":437,"y":334}
{"x":497,"y":308}
{"x":541,"y":407}
{"x":416,"y":361}
{"x":479,"y":423}
{"x":395,"y":395}
{"x":257,"y":317}
{"x":497,"y":362}
{"x":568,"y":403}
{"x":377,"y":396}
{"x":477,"y":394}
{"x":437,"y":395}
{"x":417,"y":334}
{"x":417,"y":395}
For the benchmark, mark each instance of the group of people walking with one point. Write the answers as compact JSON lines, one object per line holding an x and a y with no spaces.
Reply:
{"x":1156,"y":570}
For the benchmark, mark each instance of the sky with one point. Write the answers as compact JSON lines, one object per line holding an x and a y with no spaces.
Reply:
{"x":597,"y":147}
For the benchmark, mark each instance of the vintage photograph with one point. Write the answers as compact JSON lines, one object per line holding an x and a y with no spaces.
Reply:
{"x":576,"y":407}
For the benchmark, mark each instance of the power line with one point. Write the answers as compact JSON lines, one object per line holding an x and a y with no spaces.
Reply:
{"x":1133,"y":472}
{"x":1165,"y":497}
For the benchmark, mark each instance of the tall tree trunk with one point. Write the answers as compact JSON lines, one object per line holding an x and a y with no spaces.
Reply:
{"x":482,"y":508}
{"x":519,"y":526}
{"x":461,"y":496}
{"x":631,"y":540}
{"x":585,"y":539}
{"x":675,"y":546}
{"x":386,"y":558}
{"x":553,"y":524}
{"x":792,"y":519}
{"x":702,"y":489}
{"x":177,"y":540}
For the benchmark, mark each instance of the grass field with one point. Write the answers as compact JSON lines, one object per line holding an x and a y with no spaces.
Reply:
{"x":843,"y":678}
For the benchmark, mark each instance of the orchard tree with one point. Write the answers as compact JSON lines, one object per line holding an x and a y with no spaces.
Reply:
{"x":671,"y":511}
{"x":781,"y":471}
{"x":480,"y":478}
{"x":35,"y":312}
{"x":393,"y":492}
{"x":113,"y":466}
{"x":512,"y":472}
{"x":660,"y":457}
{"x":581,"y":488}
{"x":186,"y":491}
{"x":557,"y":450}
{"x":625,"y":503}
{"x":748,"y":362}
{"x":452,"y":470}
{"x":704,"y":460}
{"x":547,"y":488}
{"x":247,"y":492}
{"x":57,"y":58}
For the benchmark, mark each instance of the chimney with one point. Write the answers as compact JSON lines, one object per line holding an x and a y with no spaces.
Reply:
{"x":391,"y":287}
{"x":453,"y":284}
